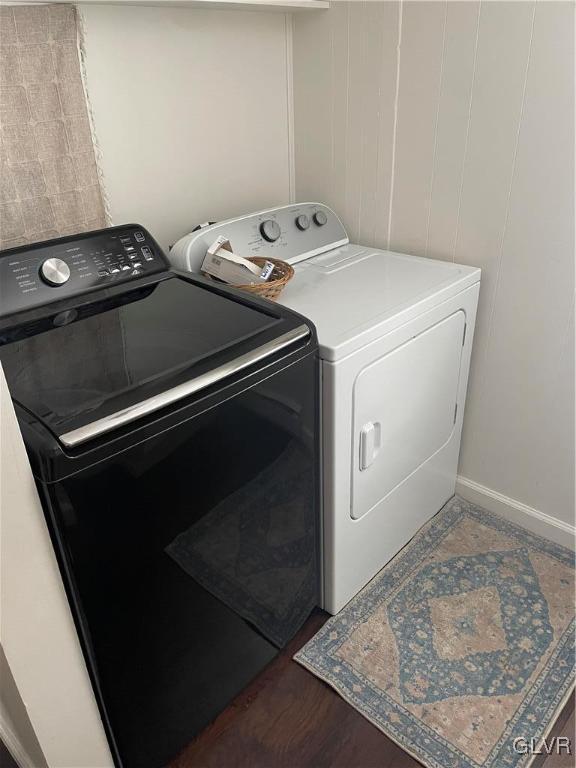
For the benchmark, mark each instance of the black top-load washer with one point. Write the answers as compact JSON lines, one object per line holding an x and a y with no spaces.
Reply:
{"x":172,"y":427}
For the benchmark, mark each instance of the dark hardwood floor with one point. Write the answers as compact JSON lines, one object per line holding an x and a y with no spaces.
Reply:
{"x":287,"y":718}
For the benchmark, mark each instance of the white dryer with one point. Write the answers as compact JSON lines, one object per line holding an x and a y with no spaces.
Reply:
{"x":395,"y":335}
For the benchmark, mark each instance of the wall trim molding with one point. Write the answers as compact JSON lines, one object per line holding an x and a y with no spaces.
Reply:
{"x":395,"y":124}
{"x":517,"y":512}
{"x":14,"y":746}
{"x":289,"y":30}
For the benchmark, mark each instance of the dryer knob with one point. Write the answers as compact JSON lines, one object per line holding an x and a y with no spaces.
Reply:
{"x":320,"y":218}
{"x":302,"y":221}
{"x":55,"y":271}
{"x":270,"y":230}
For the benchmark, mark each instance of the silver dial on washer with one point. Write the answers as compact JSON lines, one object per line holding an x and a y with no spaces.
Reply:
{"x":55,"y":271}
{"x":320,"y":218}
{"x":270,"y":230}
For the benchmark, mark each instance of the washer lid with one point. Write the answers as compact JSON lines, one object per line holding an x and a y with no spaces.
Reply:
{"x":122,"y":358}
{"x":355,"y":295}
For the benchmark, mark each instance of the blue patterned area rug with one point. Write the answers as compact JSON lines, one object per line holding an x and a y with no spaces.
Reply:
{"x":461,"y":644}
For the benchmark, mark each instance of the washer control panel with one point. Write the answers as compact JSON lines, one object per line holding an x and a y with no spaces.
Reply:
{"x":291,"y":233}
{"x":40,"y":273}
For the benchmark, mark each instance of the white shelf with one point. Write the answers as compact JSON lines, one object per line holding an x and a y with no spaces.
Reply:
{"x":240,"y":5}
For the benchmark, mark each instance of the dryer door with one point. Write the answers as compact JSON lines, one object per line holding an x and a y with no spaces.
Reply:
{"x":404,"y":410}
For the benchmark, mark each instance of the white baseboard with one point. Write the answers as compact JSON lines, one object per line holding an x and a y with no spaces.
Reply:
{"x":517,"y":512}
{"x":13,"y":745}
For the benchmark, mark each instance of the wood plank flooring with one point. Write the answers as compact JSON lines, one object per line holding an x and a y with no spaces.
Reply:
{"x":287,"y":718}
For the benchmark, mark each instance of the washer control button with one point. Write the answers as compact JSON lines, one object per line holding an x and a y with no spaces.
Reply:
{"x":270,"y":230}
{"x":302,"y":221}
{"x":320,"y":218}
{"x":54,"y":271}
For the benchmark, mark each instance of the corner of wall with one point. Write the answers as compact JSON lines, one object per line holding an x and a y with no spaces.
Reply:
{"x":16,"y":731}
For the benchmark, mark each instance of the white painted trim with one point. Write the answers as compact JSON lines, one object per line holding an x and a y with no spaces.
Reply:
{"x":13,"y":745}
{"x":290,"y":107}
{"x":538,"y":522}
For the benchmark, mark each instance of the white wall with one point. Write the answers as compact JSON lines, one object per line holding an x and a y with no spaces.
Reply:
{"x":37,"y":634}
{"x":447,"y":130}
{"x":191,"y":112}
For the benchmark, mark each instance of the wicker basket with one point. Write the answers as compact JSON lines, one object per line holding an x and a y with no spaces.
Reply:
{"x":273,"y":287}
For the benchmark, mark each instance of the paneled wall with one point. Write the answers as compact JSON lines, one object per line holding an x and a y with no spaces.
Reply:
{"x":446,"y":129}
{"x":191,"y":112}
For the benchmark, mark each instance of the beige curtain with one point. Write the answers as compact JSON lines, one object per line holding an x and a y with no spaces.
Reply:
{"x":49,"y":184}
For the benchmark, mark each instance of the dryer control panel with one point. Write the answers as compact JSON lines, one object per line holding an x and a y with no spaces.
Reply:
{"x":291,"y":233}
{"x":40,"y":273}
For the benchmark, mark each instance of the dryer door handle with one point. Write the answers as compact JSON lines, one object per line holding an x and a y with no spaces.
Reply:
{"x":369,"y":443}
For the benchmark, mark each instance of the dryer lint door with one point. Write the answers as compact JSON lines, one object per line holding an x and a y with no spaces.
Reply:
{"x":404,"y":410}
